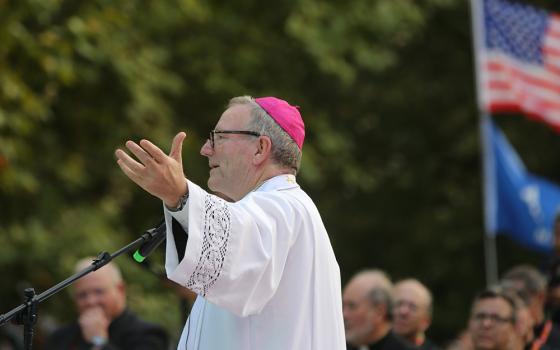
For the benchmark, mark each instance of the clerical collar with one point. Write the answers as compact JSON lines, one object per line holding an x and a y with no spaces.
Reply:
{"x":279,"y":182}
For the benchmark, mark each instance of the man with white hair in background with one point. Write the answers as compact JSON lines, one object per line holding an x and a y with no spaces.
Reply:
{"x":412,"y":312}
{"x":104,"y":322}
{"x":367,"y":304}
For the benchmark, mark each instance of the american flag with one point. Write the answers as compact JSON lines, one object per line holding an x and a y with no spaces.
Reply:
{"x":518,"y":59}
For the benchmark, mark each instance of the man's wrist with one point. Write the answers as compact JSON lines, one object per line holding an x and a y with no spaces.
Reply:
{"x":98,"y":342}
{"x":181,"y":204}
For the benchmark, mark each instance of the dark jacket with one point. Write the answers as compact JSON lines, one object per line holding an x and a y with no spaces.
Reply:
{"x":428,"y":345}
{"x":388,"y":342}
{"x":127,"y":331}
{"x":552,"y":338}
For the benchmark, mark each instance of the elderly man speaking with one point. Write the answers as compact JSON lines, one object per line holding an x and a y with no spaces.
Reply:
{"x":257,"y":254}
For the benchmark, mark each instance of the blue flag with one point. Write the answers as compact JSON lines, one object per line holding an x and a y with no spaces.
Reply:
{"x":517,"y":203}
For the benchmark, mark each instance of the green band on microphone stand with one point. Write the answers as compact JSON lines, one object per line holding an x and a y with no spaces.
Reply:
{"x":138,"y":257}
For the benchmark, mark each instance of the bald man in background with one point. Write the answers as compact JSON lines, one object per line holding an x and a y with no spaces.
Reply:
{"x":104,"y":322}
{"x":412,"y":313}
{"x":367,"y":303}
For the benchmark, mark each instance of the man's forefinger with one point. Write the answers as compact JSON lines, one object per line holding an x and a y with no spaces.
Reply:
{"x":153,"y":151}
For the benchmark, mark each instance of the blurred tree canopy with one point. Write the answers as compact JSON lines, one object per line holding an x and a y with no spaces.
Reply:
{"x":386,"y":89}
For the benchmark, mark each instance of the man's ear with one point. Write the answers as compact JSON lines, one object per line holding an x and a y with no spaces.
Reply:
{"x":426,"y":322}
{"x":541,"y":297}
{"x":264,"y":148}
{"x":381,"y":312}
{"x":121,"y":287}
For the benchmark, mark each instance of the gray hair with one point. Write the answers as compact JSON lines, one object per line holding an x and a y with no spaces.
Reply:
{"x":380,"y":289}
{"x":285,"y":151}
{"x":498,"y":293}
{"x":420,"y":287}
{"x":382,"y":297}
{"x":526,"y":279}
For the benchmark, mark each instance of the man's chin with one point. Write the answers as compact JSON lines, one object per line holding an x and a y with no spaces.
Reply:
{"x":484,"y":344}
{"x":403,"y":329}
{"x":354,"y":339}
{"x":212,"y":185}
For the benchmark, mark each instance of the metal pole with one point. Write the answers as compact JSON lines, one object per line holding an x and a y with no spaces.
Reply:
{"x":490,"y":259}
{"x":487,"y":158}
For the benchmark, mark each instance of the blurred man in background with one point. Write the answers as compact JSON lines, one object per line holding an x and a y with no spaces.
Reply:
{"x":367,"y":305}
{"x":104,"y":322}
{"x":492,"y":322}
{"x":530,"y":285}
{"x":412,"y":312}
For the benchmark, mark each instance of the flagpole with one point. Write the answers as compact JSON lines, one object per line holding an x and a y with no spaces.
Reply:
{"x":491,"y":259}
{"x":490,"y":251}
{"x":489,"y":199}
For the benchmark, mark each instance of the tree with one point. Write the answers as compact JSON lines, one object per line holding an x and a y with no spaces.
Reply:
{"x":385,"y":87}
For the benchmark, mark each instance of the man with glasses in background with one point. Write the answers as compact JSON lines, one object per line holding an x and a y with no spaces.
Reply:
{"x":492,"y":322}
{"x":412,"y":313}
{"x":261,"y":262}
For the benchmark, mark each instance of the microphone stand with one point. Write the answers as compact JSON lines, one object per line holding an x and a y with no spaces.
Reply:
{"x":26,"y":314}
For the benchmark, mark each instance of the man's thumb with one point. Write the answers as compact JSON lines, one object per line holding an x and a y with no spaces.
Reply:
{"x":177,"y":146}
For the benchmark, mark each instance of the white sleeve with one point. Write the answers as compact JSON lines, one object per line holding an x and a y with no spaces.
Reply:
{"x":171,"y":258}
{"x":236,"y":252}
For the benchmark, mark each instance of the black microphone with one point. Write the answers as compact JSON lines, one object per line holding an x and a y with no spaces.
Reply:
{"x":154,"y":238}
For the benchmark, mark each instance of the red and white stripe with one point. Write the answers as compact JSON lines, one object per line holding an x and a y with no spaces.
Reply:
{"x":509,"y":85}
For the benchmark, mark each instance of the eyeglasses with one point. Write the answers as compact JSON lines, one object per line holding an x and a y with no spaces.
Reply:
{"x":403,"y":303}
{"x":241,"y":132}
{"x":480,"y":317}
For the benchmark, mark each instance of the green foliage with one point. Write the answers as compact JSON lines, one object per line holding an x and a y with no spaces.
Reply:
{"x":385,"y":87}
{"x":76,"y":80}
{"x":344,"y":37}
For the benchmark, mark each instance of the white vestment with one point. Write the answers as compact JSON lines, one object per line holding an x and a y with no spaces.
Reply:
{"x":263,"y":268}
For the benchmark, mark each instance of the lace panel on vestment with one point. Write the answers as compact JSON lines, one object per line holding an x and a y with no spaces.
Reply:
{"x":217,"y":227}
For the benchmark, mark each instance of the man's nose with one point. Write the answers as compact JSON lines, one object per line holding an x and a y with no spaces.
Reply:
{"x":487,"y":322}
{"x":90,"y":299}
{"x":402,"y":309}
{"x":206,"y":149}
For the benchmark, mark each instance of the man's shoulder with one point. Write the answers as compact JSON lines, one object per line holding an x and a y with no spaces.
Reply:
{"x":129,"y":329}
{"x":131,"y":320}
{"x":63,"y":336}
{"x":554,"y":337}
{"x":389,"y":342}
{"x":428,"y":345}
{"x":394,"y":342}
{"x":68,"y":328}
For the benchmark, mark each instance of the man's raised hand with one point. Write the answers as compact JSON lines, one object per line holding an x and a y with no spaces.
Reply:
{"x":159,"y":174}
